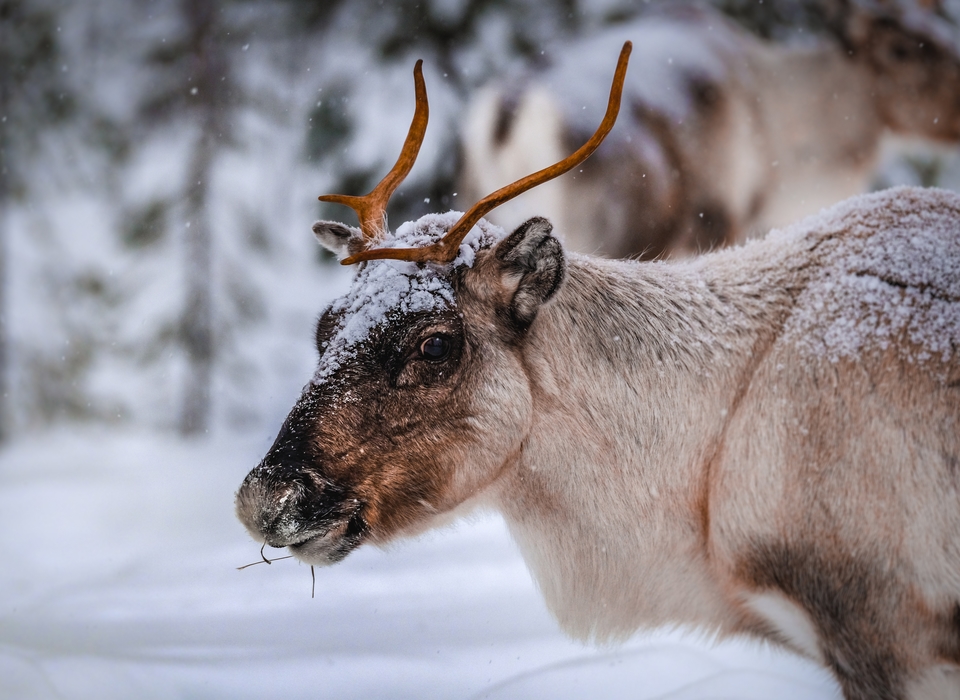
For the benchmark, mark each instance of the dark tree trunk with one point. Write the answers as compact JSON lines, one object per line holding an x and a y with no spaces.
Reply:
{"x":208,"y":80}
{"x":6,"y":188}
{"x":197,"y":322}
{"x":5,"y":409}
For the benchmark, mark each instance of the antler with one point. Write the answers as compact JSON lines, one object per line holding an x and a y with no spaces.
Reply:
{"x":445,"y":250}
{"x":372,"y":208}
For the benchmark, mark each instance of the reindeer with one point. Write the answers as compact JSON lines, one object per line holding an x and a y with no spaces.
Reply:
{"x":725,"y":135}
{"x":760,"y":441}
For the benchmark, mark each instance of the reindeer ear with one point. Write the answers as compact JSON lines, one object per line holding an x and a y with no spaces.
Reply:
{"x":339,"y":239}
{"x":532,"y":266}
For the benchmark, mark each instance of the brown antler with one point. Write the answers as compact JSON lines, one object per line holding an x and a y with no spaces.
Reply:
{"x":445,"y":250}
{"x":372,"y":208}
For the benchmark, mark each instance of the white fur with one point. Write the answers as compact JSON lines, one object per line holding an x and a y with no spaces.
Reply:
{"x":788,"y":619}
{"x":938,"y":683}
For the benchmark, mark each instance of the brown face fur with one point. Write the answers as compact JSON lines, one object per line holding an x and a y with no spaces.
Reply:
{"x":420,"y":418}
{"x":373,"y":438}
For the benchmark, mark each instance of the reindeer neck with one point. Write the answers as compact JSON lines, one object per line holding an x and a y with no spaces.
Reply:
{"x":634,"y":370}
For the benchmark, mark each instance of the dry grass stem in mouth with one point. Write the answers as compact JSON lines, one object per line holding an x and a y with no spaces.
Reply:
{"x":264,"y":560}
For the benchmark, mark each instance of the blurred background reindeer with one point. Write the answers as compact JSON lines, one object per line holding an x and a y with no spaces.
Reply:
{"x":723,"y":135}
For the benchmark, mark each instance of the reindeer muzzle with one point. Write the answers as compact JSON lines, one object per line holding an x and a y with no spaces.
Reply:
{"x":294,"y":507}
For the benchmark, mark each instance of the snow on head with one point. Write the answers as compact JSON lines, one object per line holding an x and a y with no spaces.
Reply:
{"x":893,"y":281}
{"x":385,"y":288}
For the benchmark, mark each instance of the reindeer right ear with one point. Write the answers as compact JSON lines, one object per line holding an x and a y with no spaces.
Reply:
{"x":532,"y":266}
{"x":339,"y":239}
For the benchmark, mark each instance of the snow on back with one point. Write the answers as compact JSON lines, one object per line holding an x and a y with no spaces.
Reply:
{"x":384,"y":289}
{"x":892,"y":280}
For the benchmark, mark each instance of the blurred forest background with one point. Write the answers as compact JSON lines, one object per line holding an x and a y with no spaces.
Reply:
{"x":159,"y":167}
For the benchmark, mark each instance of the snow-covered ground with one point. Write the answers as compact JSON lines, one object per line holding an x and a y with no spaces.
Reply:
{"x":119,"y":580}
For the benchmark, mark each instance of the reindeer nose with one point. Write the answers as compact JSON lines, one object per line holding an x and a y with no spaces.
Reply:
{"x":273,"y":502}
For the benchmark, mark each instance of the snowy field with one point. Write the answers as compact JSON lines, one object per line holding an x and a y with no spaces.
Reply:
{"x":119,"y":580}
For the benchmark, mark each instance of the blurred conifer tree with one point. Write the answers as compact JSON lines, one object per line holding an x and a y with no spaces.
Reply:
{"x":34,"y":96}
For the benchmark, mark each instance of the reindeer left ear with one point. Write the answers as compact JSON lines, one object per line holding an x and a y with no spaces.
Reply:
{"x":532,"y":265}
{"x":339,"y":239}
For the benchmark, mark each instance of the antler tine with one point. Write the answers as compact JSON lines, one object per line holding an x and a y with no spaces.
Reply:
{"x":372,"y":208}
{"x":445,"y":250}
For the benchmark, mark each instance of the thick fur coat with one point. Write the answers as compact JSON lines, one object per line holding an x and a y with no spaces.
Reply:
{"x":764,"y":440}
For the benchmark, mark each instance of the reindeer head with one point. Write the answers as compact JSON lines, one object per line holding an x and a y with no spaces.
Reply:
{"x":419,"y":400}
{"x":913,"y":57}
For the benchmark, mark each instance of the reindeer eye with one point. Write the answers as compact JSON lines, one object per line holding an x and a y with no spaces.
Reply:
{"x":436,"y":347}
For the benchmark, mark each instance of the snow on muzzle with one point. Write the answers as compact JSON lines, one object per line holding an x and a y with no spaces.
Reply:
{"x":294,"y":507}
